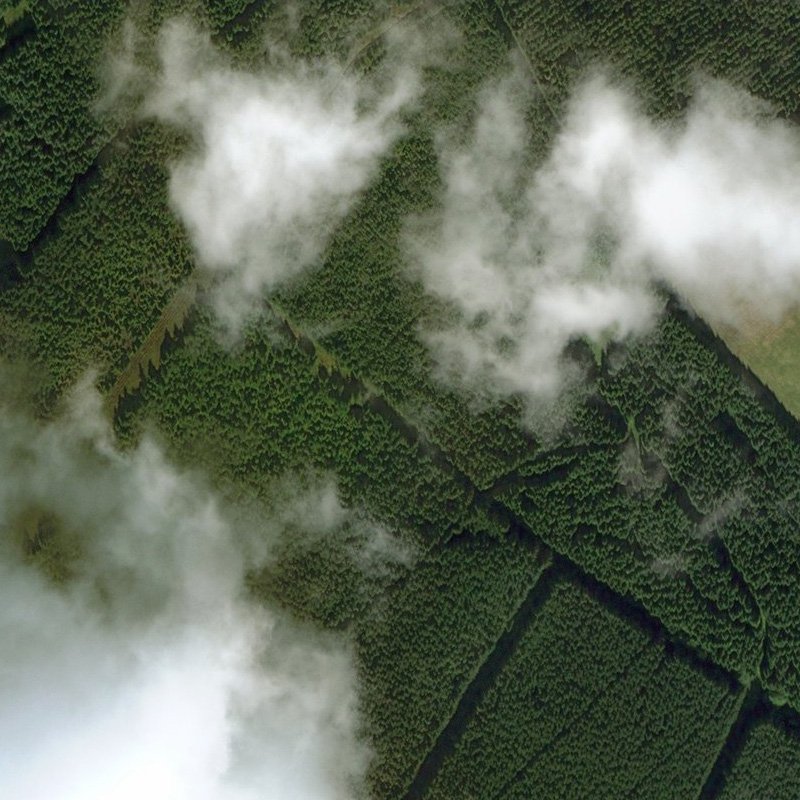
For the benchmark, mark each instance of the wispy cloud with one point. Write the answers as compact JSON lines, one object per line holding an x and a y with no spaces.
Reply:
{"x":533,"y":258}
{"x":278,"y":157}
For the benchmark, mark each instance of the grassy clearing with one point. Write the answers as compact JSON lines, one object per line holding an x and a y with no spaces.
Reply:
{"x":772,"y":352}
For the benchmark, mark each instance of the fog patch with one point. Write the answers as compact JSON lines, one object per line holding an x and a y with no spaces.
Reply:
{"x":638,"y":473}
{"x":670,"y":566}
{"x":334,"y":568}
{"x":727,"y":508}
{"x":122,"y":76}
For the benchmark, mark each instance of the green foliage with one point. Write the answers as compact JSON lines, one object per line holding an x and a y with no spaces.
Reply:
{"x":46,"y":543}
{"x":97,"y":283}
{"x":694,"y":514}
{"x":661,"y":45}
{"x":49,"y":135}
{"x":589,"y":706}
{"x":312,"y":30}
{"x":266,"y":408}
{"x":768,"y":766}
{"x":741,"y":469}
{"x":675,"y":486}
{"x":148,"y":356}
{"x":421,"y":645}
{"x":335,"y":578}
{"x":224,"y":12}
{"x":12,"y":13}
{"x":634,"y":535}
{"x":372,"y":313}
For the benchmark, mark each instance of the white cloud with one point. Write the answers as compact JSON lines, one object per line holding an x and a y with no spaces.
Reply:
{"x":151,"y":672}
{"x":534,"y":258}
{"x":279,"y":158}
